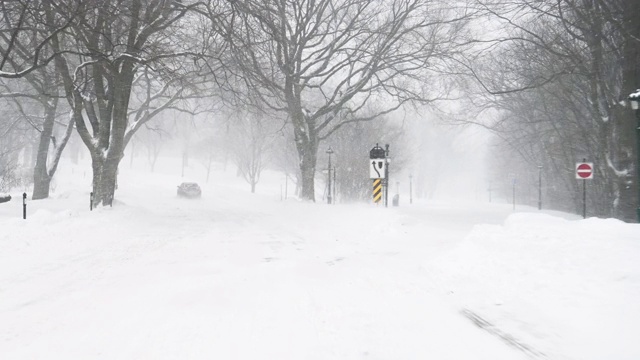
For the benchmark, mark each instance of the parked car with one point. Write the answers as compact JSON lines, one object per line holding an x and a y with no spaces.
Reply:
{"x":4,"y":198}
{"x":189,"y":190}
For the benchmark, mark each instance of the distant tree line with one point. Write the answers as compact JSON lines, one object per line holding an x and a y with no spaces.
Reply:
{"x":548,"y":77}
{"x":556,"y":75}
{"x":107,"y":67}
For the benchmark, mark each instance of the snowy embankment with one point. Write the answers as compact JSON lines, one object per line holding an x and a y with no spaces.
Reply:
{"x":236,"y":275}
{"x":569,"y":289}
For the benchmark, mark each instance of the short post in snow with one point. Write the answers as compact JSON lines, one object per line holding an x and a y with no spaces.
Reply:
{"x":24,"y":206}
{"x":584,"y":171}
{"x":91,"y":201}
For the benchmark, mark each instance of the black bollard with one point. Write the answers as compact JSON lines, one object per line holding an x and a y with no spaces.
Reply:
{"x":91,"y":201}
{"x":24,"y":206}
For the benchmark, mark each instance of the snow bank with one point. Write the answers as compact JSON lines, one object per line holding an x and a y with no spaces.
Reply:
{"x":566,"y":287}
{"x":236,"y":275}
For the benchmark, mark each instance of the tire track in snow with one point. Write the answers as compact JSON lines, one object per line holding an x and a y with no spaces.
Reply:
{"x":507,"y":338}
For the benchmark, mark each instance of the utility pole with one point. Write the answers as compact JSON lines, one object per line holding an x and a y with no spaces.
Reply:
{"x":334,"y":184}
{"x":539,"y":187}
{"x":410,"y":189}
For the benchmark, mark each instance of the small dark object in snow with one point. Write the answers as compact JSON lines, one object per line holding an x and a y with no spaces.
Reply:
{"x":396,"y":200}
{"x":189,"y":190}
{"x":4,"y":198}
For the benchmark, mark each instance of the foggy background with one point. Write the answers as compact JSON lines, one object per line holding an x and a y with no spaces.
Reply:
{"x":473,"y":97}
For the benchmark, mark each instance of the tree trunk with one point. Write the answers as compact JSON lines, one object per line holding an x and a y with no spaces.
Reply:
{"x":626,"y":119}
{"x":112,"y":146}
{"x":307,"y":153}
{"x":307,"y":146}
{"x":41,"y":178}
{"x":105,"y":172}
{"x":42,"y":173}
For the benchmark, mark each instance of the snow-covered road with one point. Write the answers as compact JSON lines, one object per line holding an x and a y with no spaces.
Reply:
{"x":242,"y":276}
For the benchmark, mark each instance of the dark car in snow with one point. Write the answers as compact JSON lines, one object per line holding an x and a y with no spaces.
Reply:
{"x":4,"y":198}
{"x":189,"y":190}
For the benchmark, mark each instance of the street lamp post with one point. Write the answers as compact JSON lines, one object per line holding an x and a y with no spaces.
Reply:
{"x":329,"y":151}
{"x":410,"y":189}
{"x":539,"y":187}
{"x":334,"y":183}
{"x":634,"y":98}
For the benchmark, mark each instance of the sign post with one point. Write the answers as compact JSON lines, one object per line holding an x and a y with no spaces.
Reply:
{"x":584,"y":171}
{"x":377,"y":171}
{"x":386,"y":175}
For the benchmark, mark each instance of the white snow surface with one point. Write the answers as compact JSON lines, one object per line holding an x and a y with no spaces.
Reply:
{"x":236,"y":275}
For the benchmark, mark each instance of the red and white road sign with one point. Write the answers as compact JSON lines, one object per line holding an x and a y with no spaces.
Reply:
{"x":584,"y":171}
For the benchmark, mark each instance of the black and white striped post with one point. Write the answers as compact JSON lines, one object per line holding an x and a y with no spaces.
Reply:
{"x":377,"y":172}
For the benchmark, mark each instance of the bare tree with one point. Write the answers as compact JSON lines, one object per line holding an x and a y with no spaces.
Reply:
{"x":117,"y":48}
{"x":40,"y":88}
{"x":564,"y":67}
{"x":11,"y":142}
{"x":24,"y":26}
{"x":25,"y":41}
{"x":152,"y":138}
{"x":251,"y":139}
{"x":323,"y":62}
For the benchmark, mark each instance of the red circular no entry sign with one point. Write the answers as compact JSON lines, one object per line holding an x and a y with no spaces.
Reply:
{"x":584,"y":171}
